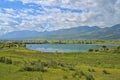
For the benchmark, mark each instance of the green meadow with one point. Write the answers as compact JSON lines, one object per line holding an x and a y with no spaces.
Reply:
{"x":19,"y":63}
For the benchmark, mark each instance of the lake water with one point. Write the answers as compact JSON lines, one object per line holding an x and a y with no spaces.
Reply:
{"x":65,"y":47}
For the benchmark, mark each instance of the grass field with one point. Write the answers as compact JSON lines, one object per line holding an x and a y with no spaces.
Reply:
{"x":24,"y":64}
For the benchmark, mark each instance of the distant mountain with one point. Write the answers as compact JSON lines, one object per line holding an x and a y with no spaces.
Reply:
{"x":59,"y":34}
{"x":107,"y":33}
{"x":71,"y":33}
{"x":81,"y":32}
{"x":26,"y":34}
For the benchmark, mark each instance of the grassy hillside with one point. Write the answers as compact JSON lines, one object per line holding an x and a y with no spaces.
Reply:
{"x":19,"y":63}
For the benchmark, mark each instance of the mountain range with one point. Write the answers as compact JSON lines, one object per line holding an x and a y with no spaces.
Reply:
{"x":81,"y":32}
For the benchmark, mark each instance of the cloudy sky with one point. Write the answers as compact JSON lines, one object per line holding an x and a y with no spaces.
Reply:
{"x":48,"y":15}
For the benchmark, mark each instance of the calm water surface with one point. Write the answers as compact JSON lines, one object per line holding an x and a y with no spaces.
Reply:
{"x":66,"y":47}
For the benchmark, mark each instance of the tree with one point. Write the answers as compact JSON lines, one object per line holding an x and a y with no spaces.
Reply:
{"x":90,"y":50}
{"x":104,"y":47}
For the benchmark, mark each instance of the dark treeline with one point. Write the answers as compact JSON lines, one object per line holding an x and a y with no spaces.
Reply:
{"x":59,"y":41}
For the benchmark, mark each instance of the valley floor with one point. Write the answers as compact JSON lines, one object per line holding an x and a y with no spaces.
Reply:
{"x":24,"y":64}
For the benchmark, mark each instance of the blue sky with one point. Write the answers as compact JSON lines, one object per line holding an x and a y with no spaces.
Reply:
{"x":49,"y":15}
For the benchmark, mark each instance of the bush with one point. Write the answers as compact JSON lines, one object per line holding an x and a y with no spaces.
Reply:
{"x":91,"y":70}
{"x":27,"y":68}
{"x":82,"y":73}
{"x":8,"y":61}
{"x":53,"y":64}
{"x":96,"y":50}
{"x":71,"y":68}
{"x":90,"y":50}
{"x":34,"y":66}
{"x":89,"y":77}
{"x":61,"y":64}
{"x":65,"y":77}
{"x":118,"y":47}
{"x":40,"y":77}
{"x":78,"y":74}
{"x":5,"y":60}
{"x":40,"y":67}
{"x":105,"y":72}
{"x":2,"y":59}
{"x":65,"y":69}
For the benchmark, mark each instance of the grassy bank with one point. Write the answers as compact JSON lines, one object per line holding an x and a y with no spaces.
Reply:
{"x":19,"y":63}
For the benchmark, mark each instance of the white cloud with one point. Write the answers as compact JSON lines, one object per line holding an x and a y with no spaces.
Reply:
{"x":59,"y":14}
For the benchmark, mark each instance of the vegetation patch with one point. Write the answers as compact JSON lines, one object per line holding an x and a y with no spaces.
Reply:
{"x":27,"y":64}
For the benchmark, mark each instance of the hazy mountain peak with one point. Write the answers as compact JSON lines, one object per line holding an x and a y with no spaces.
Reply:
{"x":81,"y":32}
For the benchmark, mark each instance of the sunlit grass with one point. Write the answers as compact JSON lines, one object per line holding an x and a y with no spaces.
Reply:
{"x":59,"y":66}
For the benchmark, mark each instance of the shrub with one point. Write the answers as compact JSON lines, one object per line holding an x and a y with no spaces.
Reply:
{"x":27,"y":68}
{"x":8,"y":61}
{"x":90,"y":50}
{"x":96,"y":50}
{"x":34,"y":66}
{"x":40,"y":67}
{"x":65,"y":77}
{"x":105,"y":72}
{"x":82,"y":73}
{"x":71,"y":68}
{"x":2,"y":59}
{"x":65,"y":69}
{"x":61,"y":64}
{"x":53,"y":64}
{"x":5,"y":60}
{"x":40,"y":77}
{"x":104,"y":46}
{"x":78,"y":74}
{"x":89,"y":77}
{"x":91,"y":70}
{"x":118,"y":47}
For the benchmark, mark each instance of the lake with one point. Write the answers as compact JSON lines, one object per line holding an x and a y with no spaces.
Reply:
{"x":65,"y":47}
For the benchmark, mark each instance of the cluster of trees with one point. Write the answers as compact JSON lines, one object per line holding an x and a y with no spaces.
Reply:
{"x":11,"y":45}
{"x":103,"y":48}
{"x":60,"y":41}
{"x":50,"y":41}
{"x":106,"y":49}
